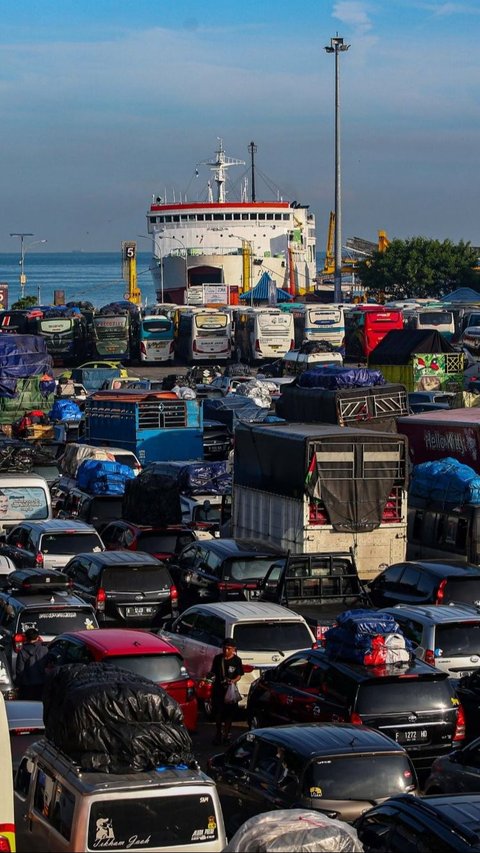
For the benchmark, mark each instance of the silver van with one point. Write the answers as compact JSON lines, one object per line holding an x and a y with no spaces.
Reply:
{"x":23,"y":497}
{"x":59,"y":807}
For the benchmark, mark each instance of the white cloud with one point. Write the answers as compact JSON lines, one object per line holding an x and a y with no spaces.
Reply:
{"x":353,"y":13}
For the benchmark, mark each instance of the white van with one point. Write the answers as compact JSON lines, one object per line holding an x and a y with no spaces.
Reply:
{"x":23,"y":497}
{"x":7,"y":820}
{"x":60,"y":807}
{"x":264,"y":633}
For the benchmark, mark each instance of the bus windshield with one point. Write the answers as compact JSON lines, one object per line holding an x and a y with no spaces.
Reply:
{"x":276,"y":323}
{"x":157,"y":327}
{"x":208,"y":324}
{"x":111,"y":327}
{"x":60,"y":326}
{"x":317,"y":317}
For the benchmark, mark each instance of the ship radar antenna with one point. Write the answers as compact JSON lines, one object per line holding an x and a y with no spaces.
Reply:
{"x":219,"y":166}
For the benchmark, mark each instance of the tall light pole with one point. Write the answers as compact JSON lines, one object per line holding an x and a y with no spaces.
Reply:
{"x":22,"y":276}
{"x":336,"y":46}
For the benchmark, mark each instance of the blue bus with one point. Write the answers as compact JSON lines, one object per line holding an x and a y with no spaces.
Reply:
{"x":157,"y":333}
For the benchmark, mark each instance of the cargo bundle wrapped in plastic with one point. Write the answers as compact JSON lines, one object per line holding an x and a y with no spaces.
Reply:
{"x":102,"y":477}
{"x":336,"y":377}
{"x":301,"y":830}
{"x":197,"y":478}
{"x":22,"y":357}
{"x":114,"y":721}
{"x":445,"y":481}
{"x":152,"y":498}
{"x":65,"y":410}
{"x":367,"y":637}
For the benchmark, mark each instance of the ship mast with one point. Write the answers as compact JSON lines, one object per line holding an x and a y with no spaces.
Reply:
{"x":218,"y":167}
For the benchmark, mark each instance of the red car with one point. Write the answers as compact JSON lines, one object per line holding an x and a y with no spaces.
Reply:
{"x":138,"y":651}
{"x":160,"y":542}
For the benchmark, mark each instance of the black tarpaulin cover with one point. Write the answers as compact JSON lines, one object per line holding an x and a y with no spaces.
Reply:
{"x":111,"y":720}
{"x":352,"y":471}
{"x":362,"y":407}
{"x":401,"y":344}
{"x":152,"y":498}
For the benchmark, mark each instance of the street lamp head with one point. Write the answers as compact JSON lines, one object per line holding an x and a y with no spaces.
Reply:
{"x":336,"y":44}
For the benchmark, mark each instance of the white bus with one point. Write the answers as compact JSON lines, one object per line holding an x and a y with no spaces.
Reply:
{"x":263,"y":333}
{"x":439,"y":319}
{"x":318,"y":323}
{"x":204,"y":334}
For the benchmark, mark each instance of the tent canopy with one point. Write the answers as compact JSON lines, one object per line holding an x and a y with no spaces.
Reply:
{"x":400,"y":344}
{"x":260,"y":293}
{"x":462,"y":294}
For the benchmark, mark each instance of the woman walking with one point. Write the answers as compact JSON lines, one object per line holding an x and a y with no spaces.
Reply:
{"x":227,"y":670}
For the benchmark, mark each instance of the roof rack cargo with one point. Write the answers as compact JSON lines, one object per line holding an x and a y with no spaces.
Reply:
{"x":35,"y":580}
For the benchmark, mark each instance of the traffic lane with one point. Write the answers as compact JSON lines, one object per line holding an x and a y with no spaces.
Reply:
{"x":202,"y":740}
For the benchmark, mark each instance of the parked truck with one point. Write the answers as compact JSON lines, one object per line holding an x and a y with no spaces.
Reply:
{"x":156,"y":426}
{"x":309,"y":488}
{"x":446,"y":432}
{"x":318,"y":586}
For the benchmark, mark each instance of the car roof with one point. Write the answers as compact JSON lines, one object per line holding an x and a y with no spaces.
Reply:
{"x":434,"y":613}
{"x":361,"y":672}
{"x":122,"y":641}
{"x":28,"y":602}
{"x":441,"y":567}
{"x":233,"y":548}
{"x":120,"y":558}
{"x":58,"y":525}
{"x":458,"y":812}
{"x":24,"y":713}
{"x":150,"y":528}
{"x":311,"y":739}
{"x":246,"y":611}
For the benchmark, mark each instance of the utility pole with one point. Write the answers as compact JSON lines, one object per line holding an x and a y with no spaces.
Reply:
{"x":22,"y":276}
{"x":336,"y":46}
{"x":253,"y":150}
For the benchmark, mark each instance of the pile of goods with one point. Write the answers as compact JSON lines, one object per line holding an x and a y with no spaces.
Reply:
{"x":26,"y":377}
{"x":294,"y":829}
{"x":367,"y":637}
{"x":445,"y":481}
{"x":152,"y":498}
{"x":113,"y":721}
{"x":101,"y":477}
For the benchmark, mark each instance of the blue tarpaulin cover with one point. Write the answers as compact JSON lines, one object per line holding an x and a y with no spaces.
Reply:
{"x":336,"y":377}
{"x":197,"y":478}
{"x":65,"y":410}
{"x":99,"y":477}
{"x":445,"y":481}
{"x":357,"y":632}
{"x":21,"y":357}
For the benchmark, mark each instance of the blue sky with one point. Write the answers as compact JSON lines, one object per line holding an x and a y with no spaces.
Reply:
{"x":105,"y":103}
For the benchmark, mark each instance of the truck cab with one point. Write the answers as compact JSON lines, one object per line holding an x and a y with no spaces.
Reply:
{"x":318,"y":586}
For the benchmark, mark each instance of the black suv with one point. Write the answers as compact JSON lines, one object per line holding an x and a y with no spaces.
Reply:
{"x":426,"y":582}
{"x":437,"y":824}
{"x":128,"y":589}
{"x":335,"y":768}
{"x":413,"y":703}
{"x":36,"y":598}
{"x":220,"y":570}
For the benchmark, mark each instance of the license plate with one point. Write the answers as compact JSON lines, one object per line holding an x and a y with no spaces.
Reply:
{"x":140,"y":611}
{"x":412,"y":736}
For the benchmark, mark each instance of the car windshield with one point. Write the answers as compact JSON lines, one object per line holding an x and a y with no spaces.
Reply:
{"x":70,"y":543}
{"x":461,"y":638}
{"x":405,"y":695}
{"x":164,"y":543}
{"x":56,"y":621}
{"x":104,"y":509}
{"x":465,"y":589}
{"x":126,"y":459}
{"x":136,"y":578}
{"x":271,"y":636}
{"x":251,"y":568}
{"x":358,"y":777}
{"x":211,"y":514}
{"x":160,"y":667}
{"x":160,"y":821}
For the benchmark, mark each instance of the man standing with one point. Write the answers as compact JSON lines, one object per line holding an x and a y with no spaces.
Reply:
{"x":227,"y":669}
{"x":30,"y":669}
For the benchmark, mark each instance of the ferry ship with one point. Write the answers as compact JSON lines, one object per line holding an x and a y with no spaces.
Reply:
{"x":230,"y":243}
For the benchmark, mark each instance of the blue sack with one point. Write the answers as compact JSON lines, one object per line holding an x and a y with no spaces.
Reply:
{"x":445,"y":481}
{"x":65,"y":410}
{"x":98,"y":476}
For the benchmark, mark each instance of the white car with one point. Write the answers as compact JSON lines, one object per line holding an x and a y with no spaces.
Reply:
{"x":265,"y":634}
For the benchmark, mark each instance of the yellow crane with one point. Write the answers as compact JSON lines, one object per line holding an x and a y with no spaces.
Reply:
{"x":347,"y":263}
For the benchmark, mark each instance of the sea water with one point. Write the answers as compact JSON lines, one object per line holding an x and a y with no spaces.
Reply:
{"x":95,"y":277}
